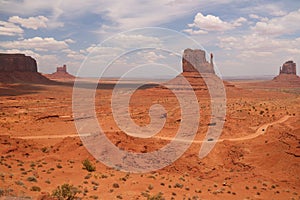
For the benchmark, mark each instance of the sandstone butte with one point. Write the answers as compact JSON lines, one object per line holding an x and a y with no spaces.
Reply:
{"x":195,"y":61}
{"x":287,"y":74}
{"x":61,"y":73}
{"x":18,"y":68}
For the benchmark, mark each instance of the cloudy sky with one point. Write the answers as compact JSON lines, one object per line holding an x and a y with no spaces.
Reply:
{"x":247,"y":37}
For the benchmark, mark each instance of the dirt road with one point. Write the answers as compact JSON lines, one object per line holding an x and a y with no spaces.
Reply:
{"x":260,"y":131}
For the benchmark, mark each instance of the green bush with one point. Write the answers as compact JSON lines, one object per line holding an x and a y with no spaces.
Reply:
{"x":65,"y":192}
{"x":88,"y":166}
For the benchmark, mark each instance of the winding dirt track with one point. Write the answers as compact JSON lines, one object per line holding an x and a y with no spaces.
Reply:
{"x":260,"y":131}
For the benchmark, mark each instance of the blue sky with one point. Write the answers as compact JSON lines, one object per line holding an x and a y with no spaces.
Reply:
{"x":248,"y":38}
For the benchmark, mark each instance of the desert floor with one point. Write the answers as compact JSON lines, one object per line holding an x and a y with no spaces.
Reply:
{"x":256,"y":157}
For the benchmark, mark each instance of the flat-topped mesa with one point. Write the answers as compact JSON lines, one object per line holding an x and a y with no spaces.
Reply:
{"x":17,"y":62}
{"x":19,"y":68}
{"x":289,"y":67}
{"x":195,"y":61}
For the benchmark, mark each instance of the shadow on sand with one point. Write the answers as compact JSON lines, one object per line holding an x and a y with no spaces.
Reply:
{"x":16,"y":89}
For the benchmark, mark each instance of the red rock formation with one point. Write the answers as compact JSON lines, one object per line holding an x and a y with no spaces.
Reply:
{"x":287,"y":75}
{"x":191,"y":60}
{"x":17,"y":62}
{"x":61,"y":73}
{"x":195,"y":61}
{"x":15,"y":68}
{"x":289,"y":67}
{"x":62,"y":69}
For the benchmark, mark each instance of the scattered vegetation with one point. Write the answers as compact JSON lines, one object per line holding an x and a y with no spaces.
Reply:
{"x":59,"y":166}
{"x":158,"y":196}
{"x":88,"y":165}
{"x":178,"y":185}
{"x":35,"y":189}
{"x":65,"y":192}
{"x":31,"y":179}
{"x":88,"y":176}
{"x":19,"y":183}
{"x":45,"y":150}
{"x":150,"y":187}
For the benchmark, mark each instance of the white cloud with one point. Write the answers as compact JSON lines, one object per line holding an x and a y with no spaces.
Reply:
{"x":128,"y":41}
{"x":26,"y":52}
{"x":254,"y":16}
{"x":74,"y":55}
{"x":36,"y":43}
{"x":31,"y":22}
{"x":255,"y":42}
{"x":239,"y":22}
{"x":287,"y":24}
{"x":272,"y":9}
{"x":70,"y":41}
{"x":195,"y":32}
{"x":122,"y":15}
{"x":258,"y":46}
{"x":10,"y":29}
{"x":204,"y":24}
{"x":150,"y":56}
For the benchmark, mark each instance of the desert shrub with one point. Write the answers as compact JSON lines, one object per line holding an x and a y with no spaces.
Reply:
{"x":31,"y":179}
{"x":178,"y":185}
{"x":65,"y":192}
{"x":158,"y":196}
{"x":35,"y":189}
{"x":88,"y":166}
{"x":261,"y":112}
{"x":45,"y":150}
{"x":88,"y":176}
{"x":59,"y":166}
{"x":1,"y":192}
{"x":150,"y":187}
{"x":19,"y":183}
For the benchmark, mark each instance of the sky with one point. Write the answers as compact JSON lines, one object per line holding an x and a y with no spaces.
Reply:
{"x":247,"y":38}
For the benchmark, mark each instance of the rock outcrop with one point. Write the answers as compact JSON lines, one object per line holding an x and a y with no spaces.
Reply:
{"x":287,"y":75}
{"x":289,"y":67}
{"x":61,"y":73}
{"x":197,"y":71}
{"x":195,"y":61}
{"x":16,"y":68}
{"x":17,"y":62}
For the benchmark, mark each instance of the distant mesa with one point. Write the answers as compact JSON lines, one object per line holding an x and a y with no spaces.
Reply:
{"x":195,"y":61}
{"x":61,"y":73}
{"x":16,"y":68}
{"x":287,"y":74}
{"x":289,"y":67}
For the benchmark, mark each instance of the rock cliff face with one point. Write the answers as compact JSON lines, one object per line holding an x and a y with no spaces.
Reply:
{"x":287,"y":75}
{"x":17,"y":62}
{"x":195,"y":61}
{"x":62,"y":69}
{"x":289,"y":67}
{"x":18,"y":68}
{"x":197,"y":71}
